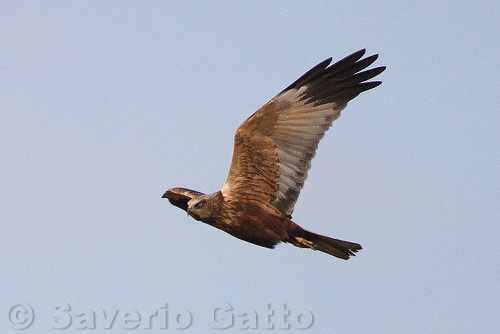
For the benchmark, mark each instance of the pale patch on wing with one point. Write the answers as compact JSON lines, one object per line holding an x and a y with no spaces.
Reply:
{"x":297,"y":132}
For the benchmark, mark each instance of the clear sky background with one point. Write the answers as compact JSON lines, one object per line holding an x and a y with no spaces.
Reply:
{"x":105,"y":105}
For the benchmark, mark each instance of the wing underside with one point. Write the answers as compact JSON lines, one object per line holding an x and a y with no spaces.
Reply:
{"x":274,"y":147}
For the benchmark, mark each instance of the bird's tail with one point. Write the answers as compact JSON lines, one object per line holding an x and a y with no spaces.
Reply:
{"x":338,"y":248}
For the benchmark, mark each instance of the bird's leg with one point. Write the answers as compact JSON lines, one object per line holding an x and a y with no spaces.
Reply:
{"x":304,"y":243}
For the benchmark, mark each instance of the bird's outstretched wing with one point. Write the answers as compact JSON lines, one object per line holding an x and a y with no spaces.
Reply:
{"x":180,"y":196}
{"x":274,"y":147}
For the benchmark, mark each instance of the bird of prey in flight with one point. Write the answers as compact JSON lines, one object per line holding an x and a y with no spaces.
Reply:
{"x":272,"y":153}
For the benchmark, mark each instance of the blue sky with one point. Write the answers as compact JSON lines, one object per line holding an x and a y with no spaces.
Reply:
{"x":105,"y":105}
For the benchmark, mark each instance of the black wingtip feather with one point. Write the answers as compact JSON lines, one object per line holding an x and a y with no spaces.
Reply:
{"x":345,"y":95}
{"x":309,"y":75}
{"x":354,"y":68}
{"x":345,"y":63}
{"x":361,"y":77}
{"x":338,"y":82}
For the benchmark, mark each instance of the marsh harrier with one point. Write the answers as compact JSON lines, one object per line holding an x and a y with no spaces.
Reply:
{"x":272,"y":153}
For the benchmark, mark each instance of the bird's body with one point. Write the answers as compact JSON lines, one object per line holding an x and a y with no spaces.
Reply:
{"x":272,"y":153}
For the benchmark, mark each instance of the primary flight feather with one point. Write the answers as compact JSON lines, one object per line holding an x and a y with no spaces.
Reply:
{"x":273,"y":150}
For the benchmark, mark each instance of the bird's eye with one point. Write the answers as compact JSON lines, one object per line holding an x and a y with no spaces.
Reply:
{"x":199,"y":204}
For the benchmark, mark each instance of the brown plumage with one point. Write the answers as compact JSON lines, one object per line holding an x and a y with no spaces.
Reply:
{"x":273,"y":150}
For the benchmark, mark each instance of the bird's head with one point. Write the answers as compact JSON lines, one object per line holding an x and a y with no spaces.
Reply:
{"x":200,"y":207}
